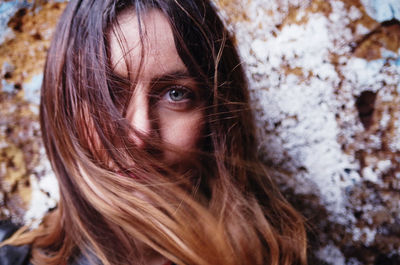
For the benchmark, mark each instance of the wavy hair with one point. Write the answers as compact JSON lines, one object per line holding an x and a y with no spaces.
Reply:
{"x":226,"y":210}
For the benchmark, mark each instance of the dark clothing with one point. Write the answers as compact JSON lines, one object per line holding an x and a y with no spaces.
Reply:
{"x":20,"y":255}
{"x":12,"y":255}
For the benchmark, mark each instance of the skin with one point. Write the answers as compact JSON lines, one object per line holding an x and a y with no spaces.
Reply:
{"x":166,"y":101}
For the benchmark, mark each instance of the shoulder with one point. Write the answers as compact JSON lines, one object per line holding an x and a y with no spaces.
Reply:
{"x":12,"y":255}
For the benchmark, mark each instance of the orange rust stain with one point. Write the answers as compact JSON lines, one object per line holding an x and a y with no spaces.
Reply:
{"x":293,"y":18}
{"x":235,"y":9}
{"x":295,"y":71}
{"x":26,"y":52}
{"x":320,"y":6}
{"x":387,"y":37}
{"x":20,"y":153}
{"x":365,"y":19}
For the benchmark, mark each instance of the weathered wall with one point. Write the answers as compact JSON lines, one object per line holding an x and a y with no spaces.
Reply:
{"x":25,"y":33}
{"x":325,"y":85}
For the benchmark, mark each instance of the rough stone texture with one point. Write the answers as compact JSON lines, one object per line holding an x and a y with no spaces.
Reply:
{"x":325,"y":85}
{"x":27,"y":186}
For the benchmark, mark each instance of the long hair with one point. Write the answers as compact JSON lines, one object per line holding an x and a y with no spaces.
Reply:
{"x":227,"y":210}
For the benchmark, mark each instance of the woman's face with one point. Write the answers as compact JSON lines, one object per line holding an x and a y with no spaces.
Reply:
{"x":166,"y":101}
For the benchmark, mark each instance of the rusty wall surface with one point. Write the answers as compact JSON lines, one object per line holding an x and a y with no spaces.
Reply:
{"x":325,"y":85}
{"x":27,"y":186}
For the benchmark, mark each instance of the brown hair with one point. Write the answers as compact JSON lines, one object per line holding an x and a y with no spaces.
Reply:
{"x":230,"y":213}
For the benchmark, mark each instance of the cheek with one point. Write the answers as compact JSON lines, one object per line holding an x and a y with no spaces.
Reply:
{"x":182,"y":130}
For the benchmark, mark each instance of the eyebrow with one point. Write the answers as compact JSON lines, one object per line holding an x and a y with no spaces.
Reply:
{"x":174,"y":75}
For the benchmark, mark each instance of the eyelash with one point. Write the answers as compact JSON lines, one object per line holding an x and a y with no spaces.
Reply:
{"x":161,"y":95}
{"x":187,"y":98}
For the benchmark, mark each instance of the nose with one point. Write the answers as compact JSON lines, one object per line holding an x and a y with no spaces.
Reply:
{"x":138,"y":114}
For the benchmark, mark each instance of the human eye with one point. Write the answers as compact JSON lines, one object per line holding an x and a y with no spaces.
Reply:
{"x":178,"y":97}
{"x":178,"y":94}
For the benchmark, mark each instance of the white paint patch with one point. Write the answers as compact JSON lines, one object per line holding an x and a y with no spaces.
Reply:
{"x":7,"y":10}
{"x":382,"y":10}
{"x":299,"y":109}
{"x":45,"y":192}
{"x":332,"y":255}
{"x":32,"y":89}
{"x":40,"y":202}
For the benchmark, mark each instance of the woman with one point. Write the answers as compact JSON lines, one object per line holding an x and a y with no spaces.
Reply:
{"x":146,"y":121}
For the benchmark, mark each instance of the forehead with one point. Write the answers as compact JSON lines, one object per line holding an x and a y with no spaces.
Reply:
{"x":150,"y":39}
